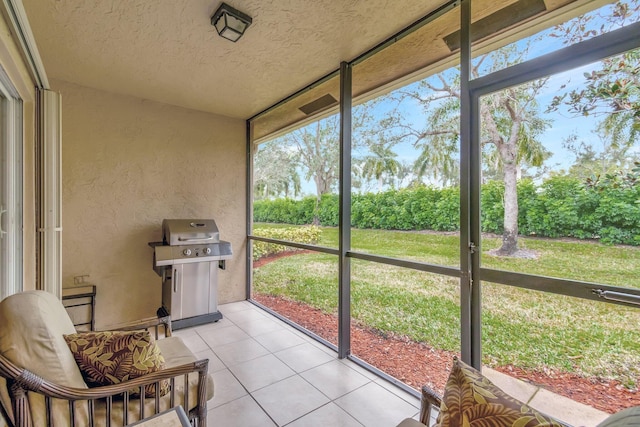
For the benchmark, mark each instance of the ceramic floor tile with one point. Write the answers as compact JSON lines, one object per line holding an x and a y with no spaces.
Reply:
{"x":226,"y":389}
{"x":279,"y":340}
{"x":241,"y":412}
{"x":240,"y":351}
{"x":261,"y":372}
{"x":334,"y":379}
{"x":259,"y":327}
{"x":402,"y":394}
{"x":244,"y":316}
{"x":303,"y":400}
{"x":222,"y":323}
{"x":195,"y":343}
{"x":289,"y":399}
{"x":182,"y":333}
{"x":218,"y":337}
{"x":235,"y":306}
{"x":303,"y":357}
{"x":215,"y":364}
{"x":330,"y":415}
{"x":359,"y":369}
{"x":374,"y":406}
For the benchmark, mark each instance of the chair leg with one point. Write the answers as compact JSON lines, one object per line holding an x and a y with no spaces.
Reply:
{"x":430,"y":401}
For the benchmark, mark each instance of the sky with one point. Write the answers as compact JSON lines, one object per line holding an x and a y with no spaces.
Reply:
{"x":563,"y":122}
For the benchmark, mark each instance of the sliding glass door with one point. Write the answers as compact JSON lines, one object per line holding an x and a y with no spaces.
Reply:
{"x":10,"y":189}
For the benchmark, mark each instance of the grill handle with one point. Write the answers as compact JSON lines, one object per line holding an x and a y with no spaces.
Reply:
{"x":175,"y":280}
{"x":195,"y":239}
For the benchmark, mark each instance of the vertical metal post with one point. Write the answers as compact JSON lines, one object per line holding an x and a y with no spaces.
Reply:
{"x":466,"y":243}
{"x":344,"y":266}
{"x":476,"y":181}
{"x":476,"y":238}
{"x":470,"y":255}
{"x":249,"y":210}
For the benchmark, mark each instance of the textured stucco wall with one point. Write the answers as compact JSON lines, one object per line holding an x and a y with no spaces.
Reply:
{"x":127,"y":164}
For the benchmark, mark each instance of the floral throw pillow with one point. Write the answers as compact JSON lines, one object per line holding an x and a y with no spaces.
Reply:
{"x":471,"y":399}
{"x":107,"y":358}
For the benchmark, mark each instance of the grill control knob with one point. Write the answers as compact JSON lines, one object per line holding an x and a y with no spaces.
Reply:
{"x":206,"y":251}
{"x":187,"y":252}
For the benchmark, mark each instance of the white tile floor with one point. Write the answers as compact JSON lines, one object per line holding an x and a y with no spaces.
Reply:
{"x":269,"y":374}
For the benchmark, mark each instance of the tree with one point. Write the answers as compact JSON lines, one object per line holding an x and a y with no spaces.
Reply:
{"x":511,"y":125}
{"x":610,"y":92}
{"x":438,"y":145}
{"x":381,"y":163}
{"x":592,"y":162}
{"x":405,"y":176}
{"x":317,"y":148}
{"x":274,"y":172}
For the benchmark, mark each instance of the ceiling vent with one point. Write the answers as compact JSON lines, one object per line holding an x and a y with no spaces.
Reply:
{"x":319,"y":104}
{"x":498,"y":21}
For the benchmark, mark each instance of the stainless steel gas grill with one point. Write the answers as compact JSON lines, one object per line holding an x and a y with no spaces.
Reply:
{"x":188,"y":259}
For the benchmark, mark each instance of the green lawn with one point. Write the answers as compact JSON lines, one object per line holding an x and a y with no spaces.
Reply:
{"x":526,"y":328}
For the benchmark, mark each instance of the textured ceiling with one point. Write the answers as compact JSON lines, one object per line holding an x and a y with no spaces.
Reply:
{"x":167,"y":51}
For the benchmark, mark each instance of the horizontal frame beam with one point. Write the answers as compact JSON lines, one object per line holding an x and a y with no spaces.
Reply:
{"x":572,"y":288}
{"x":565,"y":59}
{"x":314,"y":248}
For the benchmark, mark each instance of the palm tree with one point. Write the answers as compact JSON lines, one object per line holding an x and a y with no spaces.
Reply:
{"x":380,"y":164}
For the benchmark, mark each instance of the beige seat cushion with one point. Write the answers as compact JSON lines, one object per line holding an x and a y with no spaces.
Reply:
{"x":34,"y":323}
{"x":175,"y":353}
{"x":5,"y":401}
{"x":410,"y":422}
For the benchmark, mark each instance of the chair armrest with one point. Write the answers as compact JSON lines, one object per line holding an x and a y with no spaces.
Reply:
{"x":157,"y":325}
{"x":430,"y":401}
{"x":31,"y":382}
{"x":20,"y":381}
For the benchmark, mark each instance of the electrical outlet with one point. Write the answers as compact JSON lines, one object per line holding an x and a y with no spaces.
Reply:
{"x":78,"y":280}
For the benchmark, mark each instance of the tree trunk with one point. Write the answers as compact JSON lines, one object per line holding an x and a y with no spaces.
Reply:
{"x":321,"y":188}
{"x":510,"y":233}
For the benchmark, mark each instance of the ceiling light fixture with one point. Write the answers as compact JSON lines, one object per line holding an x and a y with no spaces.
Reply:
{"x":230,"y":23}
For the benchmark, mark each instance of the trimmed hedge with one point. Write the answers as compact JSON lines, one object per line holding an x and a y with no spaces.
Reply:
{"x":559,"y":207}
{"x":310,"y":235}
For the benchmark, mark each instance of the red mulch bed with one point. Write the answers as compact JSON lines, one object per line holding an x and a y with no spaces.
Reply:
{"x":417,"y":364}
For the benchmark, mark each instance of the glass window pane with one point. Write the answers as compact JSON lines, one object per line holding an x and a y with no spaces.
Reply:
{"x":405,"y":322}
{"x":543,"y":29}
{"x":11,"y":182}
{"x":576,"y":349}
{"x":300,"y":285}
{"x":406,"y":164}
{"x":560,"y":185}
{"x":296,"y":177}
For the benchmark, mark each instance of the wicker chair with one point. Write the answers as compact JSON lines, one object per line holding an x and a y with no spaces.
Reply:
{"x":41,"y":384}
{"x":429,"y":405}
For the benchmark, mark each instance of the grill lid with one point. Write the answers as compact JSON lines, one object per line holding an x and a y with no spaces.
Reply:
{"x":179,"y":232}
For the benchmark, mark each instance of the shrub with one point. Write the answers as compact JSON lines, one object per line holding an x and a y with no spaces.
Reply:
{"x":447,"y":210}
{"x":309,"y":235}
{"x":328,"y":210}
{"x":561,"y":206}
